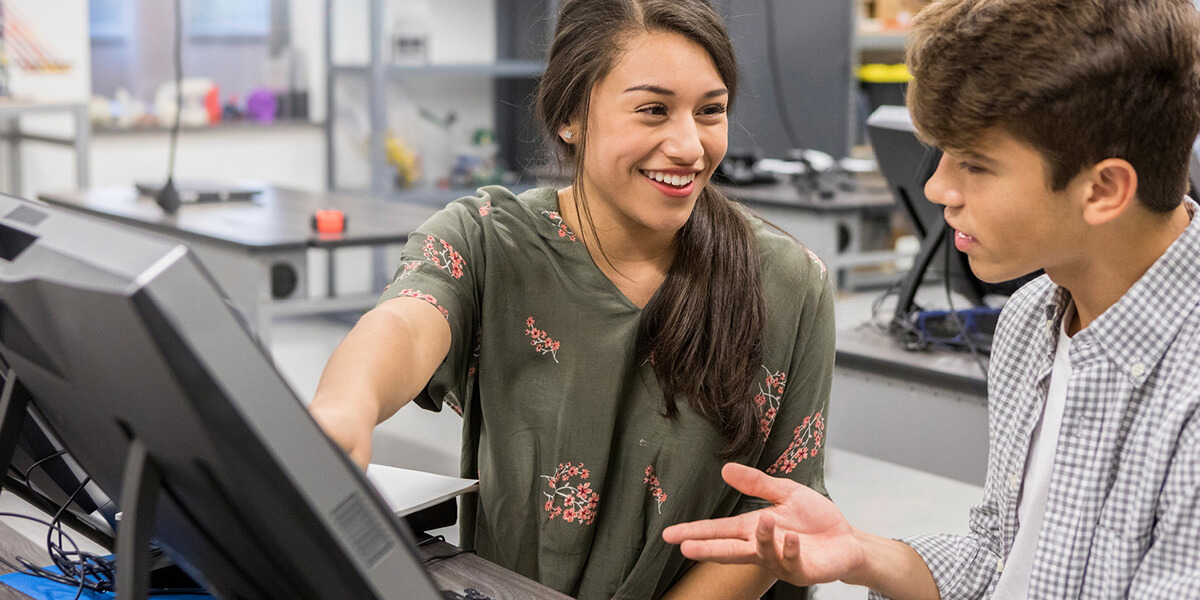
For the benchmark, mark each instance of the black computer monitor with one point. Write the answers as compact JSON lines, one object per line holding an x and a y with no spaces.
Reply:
{"x":907,"y":164}
{"x":126,"y":350}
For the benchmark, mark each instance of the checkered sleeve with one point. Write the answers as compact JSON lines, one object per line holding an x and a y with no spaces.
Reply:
{"x":1171,"y":567}
{"x":963,"y":566}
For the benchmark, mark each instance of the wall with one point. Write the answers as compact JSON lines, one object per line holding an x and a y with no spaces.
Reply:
{"x":62,"y":24}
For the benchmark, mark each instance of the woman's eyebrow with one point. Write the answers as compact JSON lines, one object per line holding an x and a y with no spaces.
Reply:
{"x":654,"y":89}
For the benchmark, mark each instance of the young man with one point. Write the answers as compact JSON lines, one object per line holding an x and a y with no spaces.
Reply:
{"x":1066,"y":127}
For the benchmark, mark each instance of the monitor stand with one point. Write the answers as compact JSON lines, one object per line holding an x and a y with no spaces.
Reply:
{"x":916,"y":275}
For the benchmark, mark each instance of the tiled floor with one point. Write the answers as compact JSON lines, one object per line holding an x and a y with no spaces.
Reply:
{"x":874,"y":495}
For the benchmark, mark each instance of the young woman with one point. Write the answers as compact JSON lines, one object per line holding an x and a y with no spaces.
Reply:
{"x":609,"y":345}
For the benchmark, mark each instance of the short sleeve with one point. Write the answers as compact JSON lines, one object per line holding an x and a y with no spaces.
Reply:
{"x":442,"y":264}
{"x":794,"y":403}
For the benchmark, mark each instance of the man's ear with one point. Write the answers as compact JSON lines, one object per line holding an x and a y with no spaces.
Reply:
{"x":1111,"y":189}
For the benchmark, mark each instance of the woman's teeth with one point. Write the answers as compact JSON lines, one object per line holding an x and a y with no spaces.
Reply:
{"x":673,"y":180}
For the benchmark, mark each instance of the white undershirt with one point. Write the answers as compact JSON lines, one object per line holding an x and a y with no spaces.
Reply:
{"x":1039,"y":466}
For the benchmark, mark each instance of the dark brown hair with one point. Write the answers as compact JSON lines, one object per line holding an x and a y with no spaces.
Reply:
{"x":704,"y":326}
{"x":1079,"y":80}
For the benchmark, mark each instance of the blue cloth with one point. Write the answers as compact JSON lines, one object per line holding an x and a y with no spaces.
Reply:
{"x":44,"y":589}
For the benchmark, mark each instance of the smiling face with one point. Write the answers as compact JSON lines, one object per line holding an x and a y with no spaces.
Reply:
{"x":1006,"y":217}
{"x":657,"y":128}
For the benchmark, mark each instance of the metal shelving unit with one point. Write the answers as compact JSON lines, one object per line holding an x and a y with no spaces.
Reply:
{"x":523,"y":29}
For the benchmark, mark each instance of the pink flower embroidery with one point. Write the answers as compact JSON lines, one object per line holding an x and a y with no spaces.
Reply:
{"x":541,"y":342}
{"x":409,"y":267}
{"x":563,"y":230}
{"x":578,"y":500}
{"x":811,"y":432}
{"x":425,"y":297}
{"x":446,"y":258}
{"x":486,"y":209}
{"x":770,"y":393}
{"x":656,"y":492}
{"x":813,"y":256}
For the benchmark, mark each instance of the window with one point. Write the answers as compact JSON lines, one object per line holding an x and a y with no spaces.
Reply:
{"x":227,"y":18}
{"x":108,"y":20}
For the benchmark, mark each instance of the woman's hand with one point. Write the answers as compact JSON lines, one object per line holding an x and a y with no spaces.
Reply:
{"x":803,"y":539}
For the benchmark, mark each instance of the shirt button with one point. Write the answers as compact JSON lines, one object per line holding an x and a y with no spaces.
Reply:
{"x":1013,"y":481}
{"x":999,"y":565}
{"x":1137,"y":370}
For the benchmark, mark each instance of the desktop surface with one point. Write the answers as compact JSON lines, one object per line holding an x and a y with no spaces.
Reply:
{"x":277,"y":218}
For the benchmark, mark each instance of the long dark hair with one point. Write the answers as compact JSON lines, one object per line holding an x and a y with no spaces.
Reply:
{"x":703,"y":329}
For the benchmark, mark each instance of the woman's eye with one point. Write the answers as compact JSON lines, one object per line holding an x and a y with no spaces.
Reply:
{"x":714,"y":109}
{"x":656,"y":110}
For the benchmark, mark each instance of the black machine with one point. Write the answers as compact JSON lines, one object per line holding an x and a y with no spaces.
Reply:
{"x":907,"y":164}
{"x":118,"y":346}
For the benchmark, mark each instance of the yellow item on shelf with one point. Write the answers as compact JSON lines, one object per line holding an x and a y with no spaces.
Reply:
{"x":877,"y":73}
{"x":400,"y":156}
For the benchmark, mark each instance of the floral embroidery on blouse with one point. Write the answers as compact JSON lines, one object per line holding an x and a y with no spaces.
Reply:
{"x":486,"y":209}
{"x":571,"y":497}
{"x":409,"y":267}
{"x":446,"y":259}
{"x":541,"y":342}
{"x":425,"y":297}
{"x":816,"y":259}
{"x":809,"y":433}
{"x":563,"y":230}
{"x":651,"y":481}
{"x":770,"y":393}
{"x":454,"y":406}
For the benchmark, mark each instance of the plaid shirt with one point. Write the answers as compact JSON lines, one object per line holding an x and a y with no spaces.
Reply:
{"x":1123,"y":514}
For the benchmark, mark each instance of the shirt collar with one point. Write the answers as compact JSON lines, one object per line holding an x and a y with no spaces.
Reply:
{"x":1136,"y":331}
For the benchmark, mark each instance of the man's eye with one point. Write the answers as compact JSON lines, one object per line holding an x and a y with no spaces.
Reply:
{"x":970,"y":168}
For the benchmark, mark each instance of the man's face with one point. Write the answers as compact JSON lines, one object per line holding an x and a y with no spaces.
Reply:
{"x":1005,"y":216}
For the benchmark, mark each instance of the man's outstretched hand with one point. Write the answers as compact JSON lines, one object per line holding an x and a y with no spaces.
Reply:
{"x":802,"y":539}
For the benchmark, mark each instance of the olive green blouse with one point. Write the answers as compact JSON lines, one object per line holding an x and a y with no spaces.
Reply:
{"x":579,"y":471}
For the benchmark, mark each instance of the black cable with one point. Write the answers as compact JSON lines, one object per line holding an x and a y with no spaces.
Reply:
{"x":25,"y":475}
{"x":437,"y":557}
{"x":76,"y":567}
{"x":168,"y":196}
{"x":962,"y":327}
{"x":178,"y":86}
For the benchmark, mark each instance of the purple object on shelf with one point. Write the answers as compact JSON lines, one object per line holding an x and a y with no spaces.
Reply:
{"x":262,"y":105}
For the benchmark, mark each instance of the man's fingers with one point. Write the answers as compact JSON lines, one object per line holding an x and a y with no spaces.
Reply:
{"x":751,"y":481}
{"x":737,"y":526}
{"x":791,"y":548}
{"x":731,"y":552}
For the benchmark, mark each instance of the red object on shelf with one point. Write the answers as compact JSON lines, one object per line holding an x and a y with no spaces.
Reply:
{"x":329,"y":221}
{"x":212,"y":103}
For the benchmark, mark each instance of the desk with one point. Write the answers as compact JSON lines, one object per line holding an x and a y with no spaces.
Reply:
{"x":258,"y":251}
{"x":11,"y":111}
{"x":455,"y":573}
{"x":926,"y":410}
{"x":849,"y":230}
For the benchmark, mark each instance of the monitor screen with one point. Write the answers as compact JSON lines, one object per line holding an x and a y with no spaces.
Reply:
{"x":125,"y":348}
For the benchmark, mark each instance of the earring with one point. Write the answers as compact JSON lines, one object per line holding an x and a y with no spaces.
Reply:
{"x":567,"y":135}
